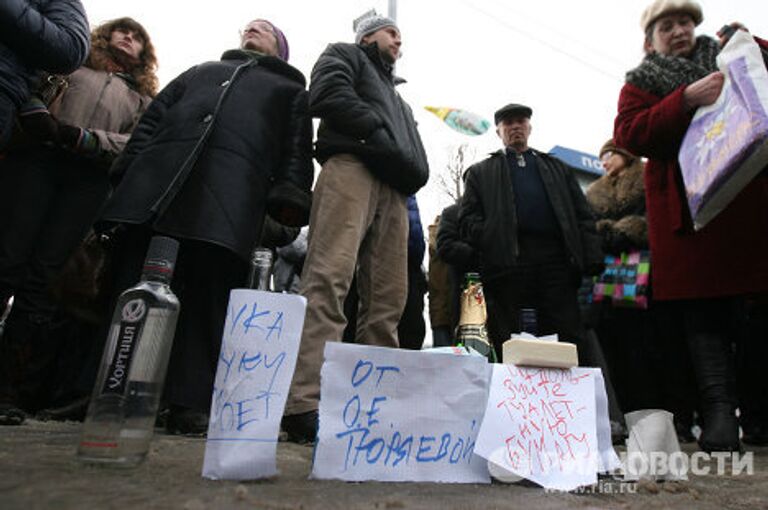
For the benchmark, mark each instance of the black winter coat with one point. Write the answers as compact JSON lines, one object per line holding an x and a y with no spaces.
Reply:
{"x":204,"y":156}
{"x":353,"y":92}
{"x":488,"y":218}
{"x":49,"y":35}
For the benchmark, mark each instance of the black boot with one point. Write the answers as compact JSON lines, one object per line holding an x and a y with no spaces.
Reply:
{"x":715,"y":379}
{"x":29,"y":352}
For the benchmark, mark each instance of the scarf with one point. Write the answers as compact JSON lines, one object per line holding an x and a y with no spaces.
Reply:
{"x":662,"y":74}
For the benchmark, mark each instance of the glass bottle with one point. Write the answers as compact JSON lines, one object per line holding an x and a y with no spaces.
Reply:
{"x":471,"y":331}
{"x":121,"y":416}
{"x":261,"y":269}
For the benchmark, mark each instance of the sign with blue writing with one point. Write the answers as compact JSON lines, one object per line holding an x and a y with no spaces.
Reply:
{"x":258,"y":355}
{"x":398,"y":415}
{"x":580,"y":160}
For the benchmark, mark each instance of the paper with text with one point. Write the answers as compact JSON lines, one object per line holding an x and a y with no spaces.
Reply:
{"x":258,"y":355}
{"x":541,"y":424}
{"x":399,"y":415}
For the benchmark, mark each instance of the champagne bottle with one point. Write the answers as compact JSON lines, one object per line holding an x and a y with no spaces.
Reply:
{"x":471,"y":330}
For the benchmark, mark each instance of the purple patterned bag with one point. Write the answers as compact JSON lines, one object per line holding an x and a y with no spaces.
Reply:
{"x":726,"y":144}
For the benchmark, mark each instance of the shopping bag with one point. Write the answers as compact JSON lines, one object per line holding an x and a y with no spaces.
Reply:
{"x":625,"y":282}
{"x":726,"y":144}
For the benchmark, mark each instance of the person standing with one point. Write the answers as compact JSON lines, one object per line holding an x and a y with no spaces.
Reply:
{"x":460,"y":257}
{"x":527,"y":218}
{"x":638,"y":341}
{"x":222,"y":145}
{"x":411,"y":329}
{"x":36,"y":35}
{"x":705,"y":274}
{"x":372,"y":159}
{"x":54,"y":183}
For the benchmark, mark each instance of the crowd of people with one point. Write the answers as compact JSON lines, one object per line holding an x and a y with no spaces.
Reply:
{"x":221,"y":160}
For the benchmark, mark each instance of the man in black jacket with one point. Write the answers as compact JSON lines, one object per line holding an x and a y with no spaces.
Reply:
{"x":526,"y":215}
{"x":372,"y":159}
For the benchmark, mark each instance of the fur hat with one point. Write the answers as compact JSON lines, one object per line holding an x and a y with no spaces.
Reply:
{"x":511,"y":110}
{"x":610,"y":146}
{"x":661,"y":8}
{"x":371,"y":24}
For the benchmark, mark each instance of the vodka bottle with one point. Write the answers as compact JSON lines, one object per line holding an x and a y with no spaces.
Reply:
{"x":121,"y":416}
{"x":261,"y":269}
{"x":471,"y":330}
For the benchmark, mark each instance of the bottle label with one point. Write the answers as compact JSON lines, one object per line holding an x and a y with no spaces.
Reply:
{"x":133,"y":315}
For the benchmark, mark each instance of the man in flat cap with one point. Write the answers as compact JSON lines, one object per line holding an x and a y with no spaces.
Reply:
{"x":526,"y":215}
{"x":372,"y":159}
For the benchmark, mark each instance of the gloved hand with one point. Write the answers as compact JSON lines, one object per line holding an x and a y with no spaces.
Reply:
{"x":69,"y":136}
{"x":41,"y":126}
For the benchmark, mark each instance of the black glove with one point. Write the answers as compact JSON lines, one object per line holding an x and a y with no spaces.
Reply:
{"x":40,"y":126}
{"x":69,"y":136}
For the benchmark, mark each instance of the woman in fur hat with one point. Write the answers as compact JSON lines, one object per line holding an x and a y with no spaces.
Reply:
{"x":707,"y":273}
{"x":53,"y":184}
{"x":637,"y":342}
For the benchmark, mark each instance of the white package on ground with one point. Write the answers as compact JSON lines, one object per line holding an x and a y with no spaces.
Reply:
{"x":652,"y":447}
{"x":258,"y":354}
{"x":398,"y":415}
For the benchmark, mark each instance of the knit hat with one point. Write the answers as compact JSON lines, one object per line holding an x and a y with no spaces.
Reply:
{"x":371,"y":24}
{"x":512,"y":110}
{"x":610,"y":146}
{"x":661,"y":8}
{"x":282,"y":42}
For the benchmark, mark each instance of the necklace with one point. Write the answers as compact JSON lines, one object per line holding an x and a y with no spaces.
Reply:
{"x":520,"y":160}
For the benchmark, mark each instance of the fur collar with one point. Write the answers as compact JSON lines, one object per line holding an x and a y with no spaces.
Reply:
{"x":616,"y":196}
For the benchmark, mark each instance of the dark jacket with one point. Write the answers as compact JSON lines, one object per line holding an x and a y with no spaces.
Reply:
{"x":49,"y":35}
{"x":211,"y":146}
{"x":488,"y":218}
{"x":353,"y":92}
{"x":458,"y":254}
{"x":618,"y":203}
{"x":416,"y":244}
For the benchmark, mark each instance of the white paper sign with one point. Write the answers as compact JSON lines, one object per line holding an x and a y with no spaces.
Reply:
{"x":399,"y":415}
{"x":608,"y":460}
{"x":258,"y":355}
{"x":540,"y":424}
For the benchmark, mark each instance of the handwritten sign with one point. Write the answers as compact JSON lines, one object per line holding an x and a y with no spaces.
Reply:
{"x":540,"y":424}
{"x":398,"y":415}
{"x":258,"y":355}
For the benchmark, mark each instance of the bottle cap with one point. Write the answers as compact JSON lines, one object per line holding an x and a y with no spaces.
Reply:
{"x":161,"y":257}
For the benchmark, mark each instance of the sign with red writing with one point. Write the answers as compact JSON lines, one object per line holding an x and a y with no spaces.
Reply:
{"x":541,"y":424}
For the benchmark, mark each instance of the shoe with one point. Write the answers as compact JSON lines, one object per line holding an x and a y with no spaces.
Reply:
{"x":184,"y":421}
{"x":301,"y":428}
{"x":755,"y":435}
{"x":684,"y":434}
{"x":74,"y":411}
{"x":720,"y":432}
{"x":11,"y":416}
